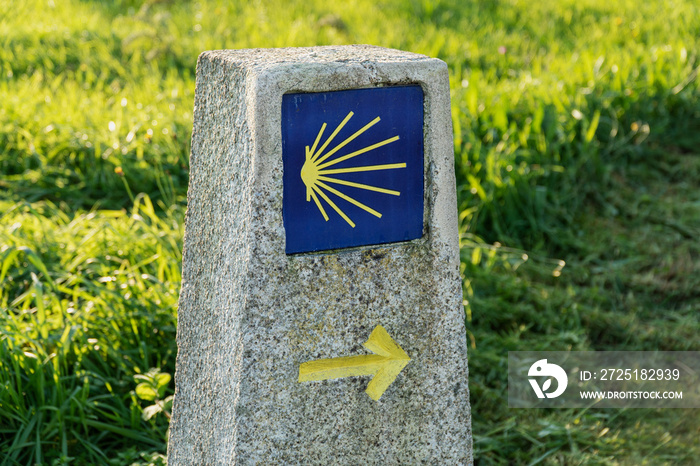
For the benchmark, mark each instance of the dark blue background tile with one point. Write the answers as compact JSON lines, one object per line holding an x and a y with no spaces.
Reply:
{"x":400,"y":110}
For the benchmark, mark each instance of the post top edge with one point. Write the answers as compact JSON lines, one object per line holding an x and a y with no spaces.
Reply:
{"x":358,"y":53}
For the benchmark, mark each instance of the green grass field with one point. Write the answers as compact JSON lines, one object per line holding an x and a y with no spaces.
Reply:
{"x":577,"y":151}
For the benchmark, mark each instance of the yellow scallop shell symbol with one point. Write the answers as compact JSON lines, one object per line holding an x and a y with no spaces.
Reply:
{"x":315,"y":172}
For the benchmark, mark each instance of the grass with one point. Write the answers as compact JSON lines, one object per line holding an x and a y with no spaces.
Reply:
{"x":94,"y":312}
{"x":576,"y":148}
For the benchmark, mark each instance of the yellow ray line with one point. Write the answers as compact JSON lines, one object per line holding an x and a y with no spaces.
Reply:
{"x":358,"y":185}
{"x":349,"y":199}
{"x":318,"y":204}
{"x":308,"y":191}
{"x":308,"y":196}
{"x":335,"y":207}
{"x":344,"y":143}
{"x":318,"y":138}
{"x":356,"y":153}
{"x":330,"y":138}
{"x":368,"y":168}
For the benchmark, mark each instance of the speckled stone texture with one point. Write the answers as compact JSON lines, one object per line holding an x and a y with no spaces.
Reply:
{"x":249,"y":314}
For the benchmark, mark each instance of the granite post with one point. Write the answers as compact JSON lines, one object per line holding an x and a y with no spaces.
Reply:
{"x":321,"y":319}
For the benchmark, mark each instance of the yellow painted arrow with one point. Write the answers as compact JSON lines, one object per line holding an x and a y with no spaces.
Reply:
{"x":386,"y":364}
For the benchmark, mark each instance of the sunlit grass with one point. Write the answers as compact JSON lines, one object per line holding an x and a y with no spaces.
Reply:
{"x":87,"y":301}
{"x":576,"y":135}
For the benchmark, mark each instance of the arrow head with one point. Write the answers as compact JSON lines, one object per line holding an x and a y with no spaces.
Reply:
{"x":379,"y":342}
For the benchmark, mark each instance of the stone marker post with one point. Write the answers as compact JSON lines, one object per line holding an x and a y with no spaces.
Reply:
{"x":321,"y":318}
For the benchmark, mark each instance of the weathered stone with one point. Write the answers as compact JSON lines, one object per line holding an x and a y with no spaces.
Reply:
{"x":250,"y":314}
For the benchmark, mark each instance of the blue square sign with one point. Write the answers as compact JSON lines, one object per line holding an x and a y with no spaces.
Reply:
{"x":353,"y":167}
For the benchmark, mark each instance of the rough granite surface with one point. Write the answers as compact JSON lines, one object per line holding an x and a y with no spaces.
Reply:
{"x":249,"y":314}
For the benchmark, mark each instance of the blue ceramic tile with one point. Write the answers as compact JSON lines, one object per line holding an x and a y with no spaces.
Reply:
{"x":353,"y":167}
